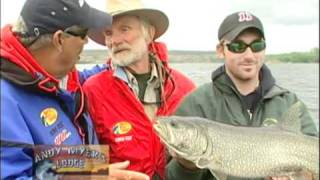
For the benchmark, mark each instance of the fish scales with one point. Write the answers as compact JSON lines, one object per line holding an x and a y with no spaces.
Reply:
{"x":240,"y":151}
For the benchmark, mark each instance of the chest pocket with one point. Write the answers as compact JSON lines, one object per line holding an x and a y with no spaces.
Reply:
{"x":129,"y":142}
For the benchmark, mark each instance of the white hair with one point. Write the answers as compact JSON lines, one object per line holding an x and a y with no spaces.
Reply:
{"x":30,"y":42}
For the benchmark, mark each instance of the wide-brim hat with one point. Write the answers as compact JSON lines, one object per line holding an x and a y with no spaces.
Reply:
{"x":118,"y":8}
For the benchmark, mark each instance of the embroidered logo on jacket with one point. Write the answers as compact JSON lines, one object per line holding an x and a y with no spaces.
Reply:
{"x":269,"y":122}
{"x":122,"y":127}
{"x":49,"y":116}
{"x":61,"y":137}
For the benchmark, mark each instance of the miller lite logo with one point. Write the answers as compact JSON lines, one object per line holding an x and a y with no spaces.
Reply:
{"x":244,"y":16}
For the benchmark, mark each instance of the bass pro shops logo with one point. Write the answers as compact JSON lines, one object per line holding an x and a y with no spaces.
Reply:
{"x":49,"y":116}
{"x":122,"y":127}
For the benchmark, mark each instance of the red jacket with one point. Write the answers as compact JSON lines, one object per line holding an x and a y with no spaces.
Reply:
{"x":121,"y":122}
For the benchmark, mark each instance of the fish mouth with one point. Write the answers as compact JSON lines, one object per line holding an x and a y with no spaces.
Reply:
{"x":160,"y":130}
{"x":163,"y":133}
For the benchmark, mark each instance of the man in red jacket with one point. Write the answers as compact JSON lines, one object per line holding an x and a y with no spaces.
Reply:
{"x":124,"y":101}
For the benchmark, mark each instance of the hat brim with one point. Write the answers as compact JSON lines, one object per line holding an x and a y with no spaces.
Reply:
{"x":97,"y":20}
{"x":156,"y":18}
{"x":234,"y":33}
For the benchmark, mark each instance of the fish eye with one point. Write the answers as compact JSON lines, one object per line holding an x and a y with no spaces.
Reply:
{"x":173,"y":124}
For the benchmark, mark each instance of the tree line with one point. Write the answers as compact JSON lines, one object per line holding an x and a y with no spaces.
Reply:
{"x":311,"y":56}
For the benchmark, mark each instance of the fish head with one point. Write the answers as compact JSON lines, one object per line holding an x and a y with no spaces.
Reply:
{"x":181,"y":135}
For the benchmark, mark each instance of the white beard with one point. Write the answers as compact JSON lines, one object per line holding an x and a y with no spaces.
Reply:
{"x":132,"y":54}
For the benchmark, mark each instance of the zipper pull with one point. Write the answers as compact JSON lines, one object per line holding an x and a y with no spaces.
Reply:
{"x":250,"y":114}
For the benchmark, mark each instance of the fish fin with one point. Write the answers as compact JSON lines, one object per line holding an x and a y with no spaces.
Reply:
{"x":218,"y":175}
{"x":291,"y":120}
{"x":206,"y":163}
{"x":202,"y":163}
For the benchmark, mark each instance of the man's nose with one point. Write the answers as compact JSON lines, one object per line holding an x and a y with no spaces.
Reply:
{"x":248,"y":53}
{"x":116,"y":40}
{"x":86,"y":39}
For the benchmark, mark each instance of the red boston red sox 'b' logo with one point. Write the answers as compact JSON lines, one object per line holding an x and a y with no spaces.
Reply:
{"x":244,"y":16}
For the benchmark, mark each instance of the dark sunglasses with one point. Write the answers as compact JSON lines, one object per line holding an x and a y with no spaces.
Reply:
{"x":240,"y":46}
{"x":77,"y":31}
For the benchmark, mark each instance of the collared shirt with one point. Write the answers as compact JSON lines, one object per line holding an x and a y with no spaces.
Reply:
{"x":151,"y":98}
{"x":63,"y":83}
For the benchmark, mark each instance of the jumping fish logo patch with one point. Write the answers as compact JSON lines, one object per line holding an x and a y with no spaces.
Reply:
{"x":49,"y":116}
{"x":269,"y":122}
{"x":122,"y":127}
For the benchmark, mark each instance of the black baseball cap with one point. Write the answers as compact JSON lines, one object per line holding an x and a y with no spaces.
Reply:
{"x":48,"y":16}
{"x":237,"y":22}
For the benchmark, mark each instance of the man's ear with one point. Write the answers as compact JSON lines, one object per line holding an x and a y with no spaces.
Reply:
{"x":220,"y":51}
{"x":58,"y":39}
{"x":151,"y":33}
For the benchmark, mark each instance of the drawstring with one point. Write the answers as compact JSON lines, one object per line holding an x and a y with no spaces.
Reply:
{"x":159,"y":55}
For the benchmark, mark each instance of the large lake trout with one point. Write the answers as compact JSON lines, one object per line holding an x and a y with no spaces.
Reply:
{"x":242,"y":151}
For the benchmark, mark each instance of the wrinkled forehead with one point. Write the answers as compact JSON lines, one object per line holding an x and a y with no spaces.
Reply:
{"x":126,"y":20}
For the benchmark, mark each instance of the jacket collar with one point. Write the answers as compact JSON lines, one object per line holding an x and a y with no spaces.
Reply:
{"x":267,"y":81}
{"x":19,"y":66}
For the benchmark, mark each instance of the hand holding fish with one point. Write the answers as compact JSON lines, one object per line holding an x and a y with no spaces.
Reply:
{"x":117,"y":171}
{"x":304,"y":174}
{"x":183,"y":162}
{"x":248,"y":152}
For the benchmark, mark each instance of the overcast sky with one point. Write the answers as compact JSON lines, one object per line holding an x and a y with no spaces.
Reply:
{"x":290,"y":25}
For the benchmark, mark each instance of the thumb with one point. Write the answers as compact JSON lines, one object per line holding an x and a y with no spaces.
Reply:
{"x":120,"y":165}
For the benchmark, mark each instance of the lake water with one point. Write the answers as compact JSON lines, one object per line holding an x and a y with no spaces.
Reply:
{"x":303,"y":79}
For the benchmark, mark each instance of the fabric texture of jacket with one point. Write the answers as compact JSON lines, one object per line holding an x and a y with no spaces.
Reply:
{"x":35,"y":111}
{"x":121,"y":122}
{"x":221,"y":101}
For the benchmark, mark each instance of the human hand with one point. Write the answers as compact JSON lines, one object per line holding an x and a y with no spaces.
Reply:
{"x":183,"y":162}
{"x":117,"y":172}
{"x":303,"y":174}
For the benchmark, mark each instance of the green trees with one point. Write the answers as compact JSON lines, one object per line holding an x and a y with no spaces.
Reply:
{"x":311,"y":56}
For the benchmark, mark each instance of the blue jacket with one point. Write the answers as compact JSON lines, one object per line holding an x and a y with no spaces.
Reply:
{"x":29,"y":118}
{"x":35,"y":111}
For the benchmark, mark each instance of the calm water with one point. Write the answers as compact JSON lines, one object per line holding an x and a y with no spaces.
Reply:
{"x":303,"y":79}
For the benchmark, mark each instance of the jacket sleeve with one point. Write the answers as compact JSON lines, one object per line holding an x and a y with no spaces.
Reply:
{"x":308,"y":125}
{"x":16,"y":161}
{"x":190,"y":105}
{"x":86,"y":73}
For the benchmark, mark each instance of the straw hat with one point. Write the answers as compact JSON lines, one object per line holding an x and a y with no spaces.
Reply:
{"x":118,"y":8}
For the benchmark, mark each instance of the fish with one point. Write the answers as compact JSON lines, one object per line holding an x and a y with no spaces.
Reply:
{"x":45,"y":170}
{"x":239,"y":151}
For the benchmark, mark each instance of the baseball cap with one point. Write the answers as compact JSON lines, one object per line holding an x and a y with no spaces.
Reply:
{"x":48,"y":16}
{"x":237,"y":22}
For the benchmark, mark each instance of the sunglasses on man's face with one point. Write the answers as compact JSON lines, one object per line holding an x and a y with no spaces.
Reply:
{"x":240,"y":46}
{"x":77,"y":31}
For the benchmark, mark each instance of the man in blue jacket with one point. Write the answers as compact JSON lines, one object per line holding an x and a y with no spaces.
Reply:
{"x":42,"y":102}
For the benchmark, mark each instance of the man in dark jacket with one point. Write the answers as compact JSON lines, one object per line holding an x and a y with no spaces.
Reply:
{"x":42,"y":102}
{"x":243,"y":91}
